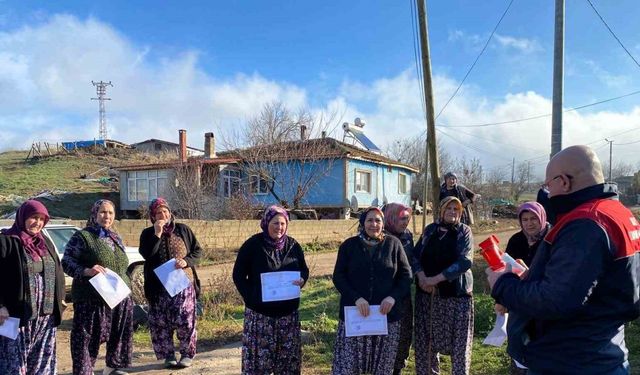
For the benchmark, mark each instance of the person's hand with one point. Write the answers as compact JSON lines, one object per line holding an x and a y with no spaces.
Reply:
{"x":435,"y":280}
{"x":4,"y":314}
{"x":386,"y":305}
{"x":526,"y":268}
{"x":466,"y":202}
{"x":300,"y":282}
{"x":430,"y":289}
{"x":94,"y":270}
{"x":181,"y":263}
{"x":422,"y":281}
{"x":158,"y":225}
{"x":363,"y":306}
{"x":500,"y":309}
{"x":493,"y":276}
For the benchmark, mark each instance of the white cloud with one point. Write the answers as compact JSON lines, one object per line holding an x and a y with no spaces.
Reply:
{"x":611,"y":80}
{"x":523,"y":45}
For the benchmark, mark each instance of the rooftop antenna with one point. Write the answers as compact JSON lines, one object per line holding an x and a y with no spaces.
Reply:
{"x":101,"y":90}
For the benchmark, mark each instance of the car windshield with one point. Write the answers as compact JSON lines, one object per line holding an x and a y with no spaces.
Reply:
{"x":60,"y":237}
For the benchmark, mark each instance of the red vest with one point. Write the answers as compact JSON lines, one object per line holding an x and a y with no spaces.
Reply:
{"x":616,"y":220}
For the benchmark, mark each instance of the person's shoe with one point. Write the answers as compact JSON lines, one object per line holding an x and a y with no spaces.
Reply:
{"x":170,"y":361}
{"x":113,"y":371}
{"x":185,"y":362}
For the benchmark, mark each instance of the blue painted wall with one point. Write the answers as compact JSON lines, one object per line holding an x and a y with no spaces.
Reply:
{"x":384,"y":183}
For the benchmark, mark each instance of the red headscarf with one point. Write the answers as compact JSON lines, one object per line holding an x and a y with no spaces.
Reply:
{"x":392,"y":214}
{"x":34,"y":245}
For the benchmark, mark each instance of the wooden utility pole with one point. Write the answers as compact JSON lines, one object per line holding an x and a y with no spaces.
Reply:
{"x":610,"y":157}
{"x":558,"y":80}
{"x":432,"y":148}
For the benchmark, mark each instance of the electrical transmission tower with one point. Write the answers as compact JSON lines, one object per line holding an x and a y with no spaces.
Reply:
{"x":101,"y":90}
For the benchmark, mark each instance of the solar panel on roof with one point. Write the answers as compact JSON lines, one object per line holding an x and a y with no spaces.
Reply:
{"x":366,"y":142}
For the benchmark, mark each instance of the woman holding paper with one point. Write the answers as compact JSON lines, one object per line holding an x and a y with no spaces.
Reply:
{"x":371,"y":269}
{"x":396,"y":221}
{"x":32,"y":291}
{"x":444,"y":304}
{"x":271,"y":334}
{"x":167,"y":241}
{"x":523,"y":245}
{"x":89,"y":252}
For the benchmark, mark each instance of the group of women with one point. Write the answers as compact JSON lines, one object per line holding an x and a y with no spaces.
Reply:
{"x":30,"y":265}
{"x":373,"y":268}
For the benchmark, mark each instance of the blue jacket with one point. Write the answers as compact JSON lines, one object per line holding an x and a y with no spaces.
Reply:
{"x":567,"y":316}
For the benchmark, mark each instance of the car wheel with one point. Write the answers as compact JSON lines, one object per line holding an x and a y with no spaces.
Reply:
{"x":137,"y":285}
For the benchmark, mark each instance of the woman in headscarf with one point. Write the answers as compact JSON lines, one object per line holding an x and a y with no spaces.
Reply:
{"x":442,"y":262}
{"x":163,"y":241}
{"x":33,"y":291}
{"x":371,"y":269}
{"x":91,"y":251}
{"x":396,"y":221}
{"x":451,"y":188}
{"x":523,"y":245}
{"x":271,"y":335}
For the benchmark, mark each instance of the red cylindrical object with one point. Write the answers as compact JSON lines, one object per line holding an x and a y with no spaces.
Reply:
{"x":492,"y":253}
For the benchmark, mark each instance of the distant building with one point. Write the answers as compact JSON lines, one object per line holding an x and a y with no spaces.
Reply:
{"x":158,"y":146}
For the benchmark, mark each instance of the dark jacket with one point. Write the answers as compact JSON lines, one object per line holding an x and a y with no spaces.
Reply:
{"x":518,"y":247}
{"x":359,"y":273}
{"x":458,"y":272}
{"x":14,"y":294}
{"x":254,"y":258}
{"x":567,"y":316}
{"x":149,"y":249}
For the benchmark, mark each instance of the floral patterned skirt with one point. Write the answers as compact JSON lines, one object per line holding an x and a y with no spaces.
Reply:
{"x":365,"y":354}
{"x":271,"y":345}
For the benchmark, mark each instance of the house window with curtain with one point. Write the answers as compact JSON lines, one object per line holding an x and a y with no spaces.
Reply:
{"x":143,"y":186}
{"x":363,"y":181}
{"x":230,"y":182}
{"x":258,"y":185}
{"x":403,"y":187}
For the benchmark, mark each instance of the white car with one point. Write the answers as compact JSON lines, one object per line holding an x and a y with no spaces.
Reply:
{"x":60,"y":234}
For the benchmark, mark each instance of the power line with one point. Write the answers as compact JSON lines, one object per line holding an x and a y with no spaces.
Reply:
{"x":476,"y":60}
{"x":540,"y":116}
{"x":416,"y":50}
{"x":613,"y":34}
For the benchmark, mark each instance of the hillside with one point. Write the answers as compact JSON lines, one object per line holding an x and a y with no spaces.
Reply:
{"x":61,"y":175}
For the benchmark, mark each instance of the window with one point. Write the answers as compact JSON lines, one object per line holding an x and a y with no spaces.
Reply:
{"x":363,"y":181}
{"x":60,"y":237}
{"x":402,"y":184}
{"x":144,"y":186}
{"x":230,"y":182}
{"x":258,"y":185}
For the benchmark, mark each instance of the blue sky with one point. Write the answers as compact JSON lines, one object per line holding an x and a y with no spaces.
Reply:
{"x":212,"y":65}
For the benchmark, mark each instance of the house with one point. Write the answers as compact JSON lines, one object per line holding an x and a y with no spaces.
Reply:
{"x":324,"y":174}
{"x":158,"y":146}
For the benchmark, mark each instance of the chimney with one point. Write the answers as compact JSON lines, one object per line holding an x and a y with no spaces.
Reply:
{"x":209,"y":146}
{"x":182,"y":151}
{"x":324,"y":134}
{"x":303,"y":132}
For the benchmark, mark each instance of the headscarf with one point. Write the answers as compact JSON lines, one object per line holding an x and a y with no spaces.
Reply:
{"x":363,"y":233}
{"x":443,"y":206}
{"x":538,"y":210}
{"x":450,"y":174}
{"x":97,"y":229}
{"x":34,"y":245}
{"x":268,"y":215}
{"x":392,"y":214}
{"x":155,"y":204}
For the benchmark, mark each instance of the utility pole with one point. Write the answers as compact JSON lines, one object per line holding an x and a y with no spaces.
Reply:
{"x":432,"y":148}
{"x":610,"y":156}
{"x":513,"y":174}
{"x":101,"y":90}
{"x":558,"y":79}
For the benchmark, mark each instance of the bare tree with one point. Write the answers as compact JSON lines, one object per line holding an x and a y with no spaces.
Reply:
{"x":619,"y":169}
{"x":521,"y":181}
{"x":282,"y":158}
{"x":191,"y":194}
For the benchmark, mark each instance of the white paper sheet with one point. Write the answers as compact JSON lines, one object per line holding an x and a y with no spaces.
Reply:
{"x":278,"y":286}
{"x":111,"y":287}
{"x":520,"y":365}
{"x":10,"y":328}
{"x":357,"y":325}
{"x":173,"y":279}
{"x":498,"y":334}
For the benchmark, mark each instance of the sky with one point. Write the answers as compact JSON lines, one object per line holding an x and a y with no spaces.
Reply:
{"x":211,"y":66}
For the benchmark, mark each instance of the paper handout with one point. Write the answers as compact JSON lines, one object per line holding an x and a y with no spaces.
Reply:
{"x":173,"y":279}
{"x":278,"y":286}
{"x":498,"y":334}
{"x":111,"y":287}
{"x":10,"y":328}
{"x":357,"y":325}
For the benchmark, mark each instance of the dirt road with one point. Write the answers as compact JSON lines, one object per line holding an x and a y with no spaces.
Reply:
{"x":222,"y":361}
